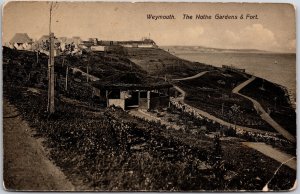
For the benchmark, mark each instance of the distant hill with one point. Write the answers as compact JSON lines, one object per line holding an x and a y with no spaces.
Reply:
{"x":197,"y":49}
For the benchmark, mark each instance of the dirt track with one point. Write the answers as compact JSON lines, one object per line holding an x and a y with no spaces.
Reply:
{"x":26,"y":166}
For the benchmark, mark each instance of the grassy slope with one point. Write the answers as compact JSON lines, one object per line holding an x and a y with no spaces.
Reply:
{"x":112,"y":66}
{"x":159,"y":62}
{"x":96,"y":153}
{"x":76,"y":144}
{"x":104,"y":65}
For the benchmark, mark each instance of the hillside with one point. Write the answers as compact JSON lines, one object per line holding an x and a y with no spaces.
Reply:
{"x":159,"y":62}
{"x":216,"y":86}
{"x":99,"y":148}
{"x":24,"y":67}
{"x":153,"y":64}
{"x":197,"y":49}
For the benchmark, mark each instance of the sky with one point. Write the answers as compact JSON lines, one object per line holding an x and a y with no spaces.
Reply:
{"x":274,"y":30}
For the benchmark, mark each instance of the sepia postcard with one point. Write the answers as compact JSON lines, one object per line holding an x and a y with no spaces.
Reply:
{"x":149,"y":96}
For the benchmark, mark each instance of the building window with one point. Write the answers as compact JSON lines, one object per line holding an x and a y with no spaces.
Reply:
{"x":114,"y":94}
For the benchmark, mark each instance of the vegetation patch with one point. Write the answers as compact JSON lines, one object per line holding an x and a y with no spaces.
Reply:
{"x":107,"y":149}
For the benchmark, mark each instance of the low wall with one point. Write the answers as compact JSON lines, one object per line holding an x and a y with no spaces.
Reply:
{"x":117,"y":102}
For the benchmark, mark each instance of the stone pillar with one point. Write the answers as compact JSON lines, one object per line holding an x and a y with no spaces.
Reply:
{"x":148,"y":99}
{"x":169,"y":104}
{"x":139,"y":96}
{"x":107,"y":101}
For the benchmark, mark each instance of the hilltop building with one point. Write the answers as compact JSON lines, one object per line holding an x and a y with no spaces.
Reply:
{"x":42,"y":45}
{"x":21,"y":41}
{"x":71,"y":45}
{"x":233,"y":68}
{"x":145,"y":43}
{"x":77,"y":40}
{"x":109,"y":45}
{"x":62,"y":45}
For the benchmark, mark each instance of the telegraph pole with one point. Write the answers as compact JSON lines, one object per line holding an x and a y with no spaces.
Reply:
{"x":87,"y":73}
{"x":67,"y":72}
{"x":51,"y":79}
{"x":87,"y":69}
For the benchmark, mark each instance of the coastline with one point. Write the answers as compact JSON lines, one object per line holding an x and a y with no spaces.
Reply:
{"x":284,"y":80}
{"x":292,"y":98}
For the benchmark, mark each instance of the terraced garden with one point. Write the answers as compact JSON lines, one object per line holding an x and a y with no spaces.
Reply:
{"x":212,"y":93}
{"x":274,"y":100}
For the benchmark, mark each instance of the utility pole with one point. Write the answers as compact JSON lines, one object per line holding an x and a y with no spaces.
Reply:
{"x":37,"y":52}
{"x":37,"y":56}
{"x":87,"y":69}
{"x":67,"y":72}
{"x":51,"y":79}
{"x":222,"y":109}
{"x":87,"y":73}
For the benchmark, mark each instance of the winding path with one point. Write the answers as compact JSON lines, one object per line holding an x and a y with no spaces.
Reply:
{"x":209,"y":116}
{"x":191,"y":77}
{"x":213,"y":118}
{"x":283,"y":158}
{"x":263,"y":114}
{"x":91,"y":77}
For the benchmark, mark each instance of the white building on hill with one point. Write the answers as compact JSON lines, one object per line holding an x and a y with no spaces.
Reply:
{"x":21,"y":41}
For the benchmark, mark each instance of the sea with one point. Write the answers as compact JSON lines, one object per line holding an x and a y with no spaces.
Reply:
{"x":279,"y":68}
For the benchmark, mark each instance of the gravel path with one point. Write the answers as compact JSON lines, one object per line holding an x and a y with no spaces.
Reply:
{"x":26,"y":165}
{"x":274,"y":153}
{"x":192,"y":77}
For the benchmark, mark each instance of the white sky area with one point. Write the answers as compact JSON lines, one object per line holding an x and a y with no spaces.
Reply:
{"x":275,"y":29}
